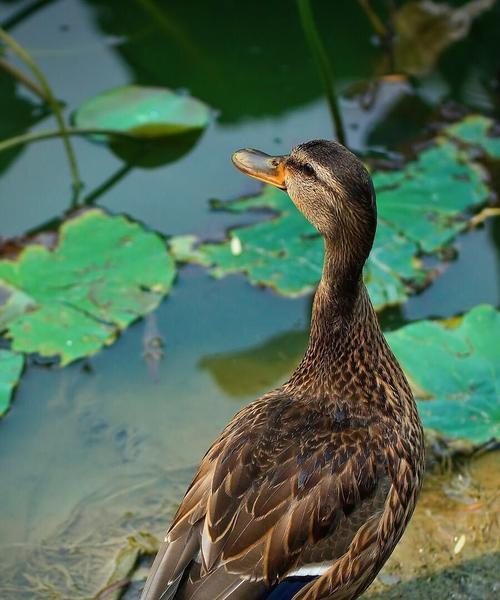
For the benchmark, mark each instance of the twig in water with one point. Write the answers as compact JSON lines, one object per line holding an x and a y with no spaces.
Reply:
{"x":486,"y":213}
{"x":38,"y":136}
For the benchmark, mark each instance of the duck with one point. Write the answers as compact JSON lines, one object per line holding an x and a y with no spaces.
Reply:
{"x":308,"y":489}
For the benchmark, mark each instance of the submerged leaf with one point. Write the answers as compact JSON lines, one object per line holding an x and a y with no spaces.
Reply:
{"x":455,"y":366}
{"x":105,"y":272}
{"x":424,"y":29}
{"x":421,"y":209}
{"x":11,"y":365}
{"x":144,"y":112}
{"x":125,"y":561}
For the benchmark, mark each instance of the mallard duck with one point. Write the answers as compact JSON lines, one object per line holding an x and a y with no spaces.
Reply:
{"x":307,"y":491}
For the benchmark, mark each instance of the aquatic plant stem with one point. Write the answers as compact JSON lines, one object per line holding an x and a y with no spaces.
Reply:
{"x":122,"y":172}
{"x":23,"y":13}
{"x":22,"y":78}
{"x":37,"y":136}
{"x":379,"y":28}
{"x":321,"y":58}
{"x":384,"y":33}
{"x":53,"y":104}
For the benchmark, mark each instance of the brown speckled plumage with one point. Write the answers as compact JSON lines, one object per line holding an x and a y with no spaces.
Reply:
{"x":325,"y":470}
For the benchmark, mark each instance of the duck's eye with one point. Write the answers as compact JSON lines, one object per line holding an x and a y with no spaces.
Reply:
{"x":308,"y":169}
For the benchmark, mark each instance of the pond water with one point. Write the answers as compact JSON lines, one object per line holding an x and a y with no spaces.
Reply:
{"x":105,"y":447}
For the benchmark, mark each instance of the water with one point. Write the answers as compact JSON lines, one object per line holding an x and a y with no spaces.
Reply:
{"x":104,"y":447}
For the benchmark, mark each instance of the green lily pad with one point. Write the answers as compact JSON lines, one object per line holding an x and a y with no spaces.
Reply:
{"x":476,"y":130}
{"x":11,"y":365}
{"x":13,"y":302}
{"x":454,"y":367}
{"x":105,"y":272}
{"x":421,"y":210}
{"x":144,"y":112}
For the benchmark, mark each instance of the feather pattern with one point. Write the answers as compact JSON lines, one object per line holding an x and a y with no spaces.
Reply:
{"x":319,"y":476}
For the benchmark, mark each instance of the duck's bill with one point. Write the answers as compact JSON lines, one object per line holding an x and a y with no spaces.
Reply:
{"x":254,"y":163}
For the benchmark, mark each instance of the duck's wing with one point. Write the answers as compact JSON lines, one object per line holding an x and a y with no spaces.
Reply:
{"x":278,"y":492}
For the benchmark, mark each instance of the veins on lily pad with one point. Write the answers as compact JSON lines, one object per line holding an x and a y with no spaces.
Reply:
{"x":104,"y":273}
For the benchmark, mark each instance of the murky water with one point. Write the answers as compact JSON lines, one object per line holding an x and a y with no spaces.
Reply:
{"x":102,"y":448}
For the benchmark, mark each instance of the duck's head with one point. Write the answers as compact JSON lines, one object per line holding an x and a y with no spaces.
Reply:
{"x":329,"y":185}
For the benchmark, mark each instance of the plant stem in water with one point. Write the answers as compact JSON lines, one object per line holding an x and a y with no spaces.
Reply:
{"x":379,"y":28}
{"x":92,"y":198}
{"x":52,"y":102}
{"x":26,"y":138}
{"x":22,"y":78}
{"x":321,"y":58}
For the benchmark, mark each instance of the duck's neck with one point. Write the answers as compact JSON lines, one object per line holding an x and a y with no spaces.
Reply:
{"x":344,"y":327}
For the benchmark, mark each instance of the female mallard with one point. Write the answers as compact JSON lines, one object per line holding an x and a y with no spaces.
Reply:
{"x":308,"y":489}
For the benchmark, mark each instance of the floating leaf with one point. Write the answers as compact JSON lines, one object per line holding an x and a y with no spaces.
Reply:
{"x":455,"y":365}
{"x":144,"y":112}
{"x":477,"y":130}
{"x":104,"y":273}
{"x":11,"y":365}
{"x":421,"y":210}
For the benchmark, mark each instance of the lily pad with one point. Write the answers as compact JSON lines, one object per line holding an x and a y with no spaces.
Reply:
{"x":421,"y":209}
{"x":105,"y":272}
{"x":454,"y":367}
{"x":478,"y":131}
{"x":143,"y":112}
{"x":11,"y":365}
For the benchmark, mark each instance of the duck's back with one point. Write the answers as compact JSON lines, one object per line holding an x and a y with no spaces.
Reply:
{"x":299,"y":496}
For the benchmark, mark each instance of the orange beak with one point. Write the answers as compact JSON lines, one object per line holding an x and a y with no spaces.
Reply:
{"x":254,"y":163}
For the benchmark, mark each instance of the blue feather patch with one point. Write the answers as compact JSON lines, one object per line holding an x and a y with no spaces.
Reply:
{"x":287,"y":589}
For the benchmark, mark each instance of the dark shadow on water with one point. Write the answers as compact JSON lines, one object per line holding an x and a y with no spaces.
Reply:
{"x":149,"y":154}
{"x":246,"y":60}
{"x":146,"y":154}
{"x":18,"y":114}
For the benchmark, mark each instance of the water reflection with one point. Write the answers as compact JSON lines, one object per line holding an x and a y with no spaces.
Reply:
{"x":264,"y":366}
